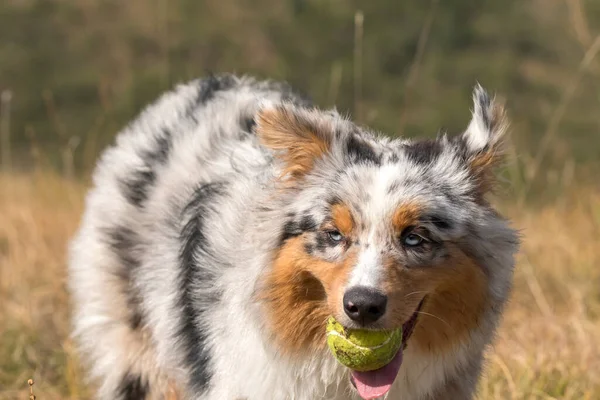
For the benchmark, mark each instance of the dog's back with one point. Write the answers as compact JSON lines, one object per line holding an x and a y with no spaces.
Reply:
{"x":172,"y":264}
{"x":145,"y":224}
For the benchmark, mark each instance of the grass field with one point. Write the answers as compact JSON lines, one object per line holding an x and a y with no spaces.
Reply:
{"x":548,"y":347}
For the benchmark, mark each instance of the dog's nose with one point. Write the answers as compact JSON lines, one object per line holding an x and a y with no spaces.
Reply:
{"x":364,"y":305}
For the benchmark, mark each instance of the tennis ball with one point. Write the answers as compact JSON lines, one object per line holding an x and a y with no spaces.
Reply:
{"x":361,"y":349}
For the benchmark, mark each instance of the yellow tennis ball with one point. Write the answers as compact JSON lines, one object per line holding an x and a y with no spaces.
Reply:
{"x":361,"y":349}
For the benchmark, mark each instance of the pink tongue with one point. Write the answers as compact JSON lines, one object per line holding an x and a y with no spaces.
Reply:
{"x":374,"y":384}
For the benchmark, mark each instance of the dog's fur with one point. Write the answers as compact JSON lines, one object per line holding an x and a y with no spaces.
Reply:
{"x":203,"y":268}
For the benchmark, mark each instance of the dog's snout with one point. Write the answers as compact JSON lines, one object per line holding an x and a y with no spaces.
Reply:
{"x":364,"y":305}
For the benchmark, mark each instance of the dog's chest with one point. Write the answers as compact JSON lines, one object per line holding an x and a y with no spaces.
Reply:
{"x":422,"y":373}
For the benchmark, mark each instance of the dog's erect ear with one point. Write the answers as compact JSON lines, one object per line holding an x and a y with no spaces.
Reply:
{"x":299,"y":137}
{"x":488,"y":125}
{"x":483,"y":139}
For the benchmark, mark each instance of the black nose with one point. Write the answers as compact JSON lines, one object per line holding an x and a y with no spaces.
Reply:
{"x":364,"y":305}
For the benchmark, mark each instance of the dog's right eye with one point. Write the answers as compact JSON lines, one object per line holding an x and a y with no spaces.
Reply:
{"x":413,"y":240}
{"x":335,"y":236}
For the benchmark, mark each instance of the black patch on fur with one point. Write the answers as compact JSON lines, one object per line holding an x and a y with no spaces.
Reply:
{"x":289,"y":230}
{"x":136,"y":318}
{"x":309,"y":248}
{"x":423,"y":151}
{"x":247,"y":123}
{"x":322,"y":242}
{"x":211,"y":85}
{"x":132,"y":387}
{"x":135,"y":187}
{"x":296,"y":228}
{"x":207,"y":88}
{"x":161,"y":152}
{"x":123,"y":242}
{"x":308,"y":224}
{"x":333,"y":200}
{"x":361,"y":151}
{"x":440,"y":222}
{"x":194,"y":243}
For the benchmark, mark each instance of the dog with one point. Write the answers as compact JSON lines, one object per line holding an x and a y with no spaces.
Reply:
{"x":232,"y":218}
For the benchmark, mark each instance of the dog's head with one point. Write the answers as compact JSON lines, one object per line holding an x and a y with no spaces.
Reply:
{"x":384,"y":233}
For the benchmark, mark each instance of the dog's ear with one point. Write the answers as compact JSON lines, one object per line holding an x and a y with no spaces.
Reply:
{"x":299,"y":137}
{"x":482,"y":142}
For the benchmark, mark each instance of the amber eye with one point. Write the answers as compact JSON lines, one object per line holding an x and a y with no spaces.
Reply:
{"x":412,"y":240}
{"x":335,"y":236}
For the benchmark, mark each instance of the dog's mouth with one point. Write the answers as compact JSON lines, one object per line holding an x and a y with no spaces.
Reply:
{"x":376,"y":383}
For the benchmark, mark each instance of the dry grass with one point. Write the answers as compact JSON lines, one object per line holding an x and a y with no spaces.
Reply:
{"x":549,"y":345}
{"x":37,"y":216}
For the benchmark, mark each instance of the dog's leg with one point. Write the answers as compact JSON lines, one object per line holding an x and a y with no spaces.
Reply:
{"x":109,"y":329}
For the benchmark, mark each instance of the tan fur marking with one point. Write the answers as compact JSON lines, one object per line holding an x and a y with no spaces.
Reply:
{"x":456,"y":297}
{"x":300,"y":293}
{"x":457,"y":302}
{"x":281,"y":130}
{"x":342,"y":218}
{"x":172,"y":393}
{"x":405,"y":287}
{"x":482,"y":167}
{"x":406,"y":215}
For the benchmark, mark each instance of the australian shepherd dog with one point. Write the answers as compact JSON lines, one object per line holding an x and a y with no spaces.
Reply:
{"x":232,"y":218}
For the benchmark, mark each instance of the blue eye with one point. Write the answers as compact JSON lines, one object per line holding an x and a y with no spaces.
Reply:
{"x":335,"y":236}
{"x":413,"y":240}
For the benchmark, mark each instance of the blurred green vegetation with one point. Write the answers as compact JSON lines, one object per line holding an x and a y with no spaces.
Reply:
{"x":78,"y":70}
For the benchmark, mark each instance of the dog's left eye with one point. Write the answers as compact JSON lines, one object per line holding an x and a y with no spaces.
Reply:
{"x":335,"y":236}
{"x":412,"y":240}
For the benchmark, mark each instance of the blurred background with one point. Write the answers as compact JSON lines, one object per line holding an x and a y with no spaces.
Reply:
{"x":74,"y":72}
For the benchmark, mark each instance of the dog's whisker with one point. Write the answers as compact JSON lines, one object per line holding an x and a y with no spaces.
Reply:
{"x":417,"y":292}
{"x":434,"y":316}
